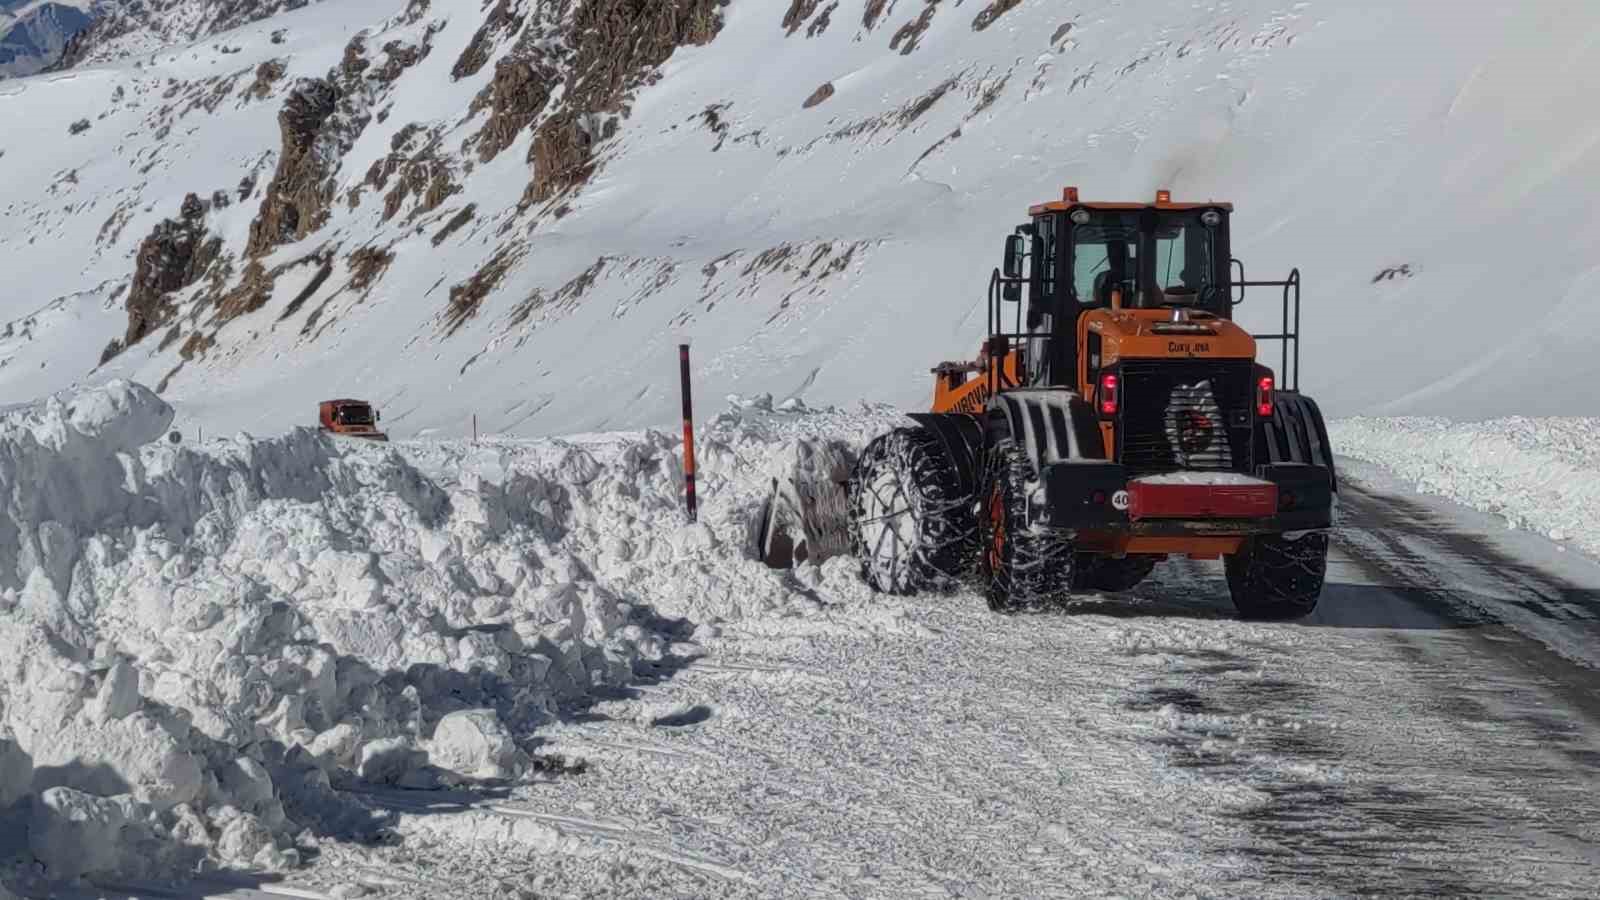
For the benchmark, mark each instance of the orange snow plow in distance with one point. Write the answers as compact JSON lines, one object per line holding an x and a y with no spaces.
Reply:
{"x":352,"y":418}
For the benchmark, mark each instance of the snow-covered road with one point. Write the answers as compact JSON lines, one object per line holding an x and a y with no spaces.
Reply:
{"x":510,"y":669}
{"x":1431,"y":730}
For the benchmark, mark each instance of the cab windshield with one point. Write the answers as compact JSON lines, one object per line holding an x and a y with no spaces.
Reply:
{"x":353,"y":415}
{"x":1170,"y":258}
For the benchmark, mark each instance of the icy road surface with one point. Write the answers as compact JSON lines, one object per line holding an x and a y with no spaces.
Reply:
{"x":1432,"y":729}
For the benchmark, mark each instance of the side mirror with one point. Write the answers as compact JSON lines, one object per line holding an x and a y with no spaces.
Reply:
{"x":1016,"y":251}
{"x":377,"y":417}
{"x":1011,"y":292}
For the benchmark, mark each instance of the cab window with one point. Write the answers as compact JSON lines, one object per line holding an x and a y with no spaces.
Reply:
{"x":1104,"y":258}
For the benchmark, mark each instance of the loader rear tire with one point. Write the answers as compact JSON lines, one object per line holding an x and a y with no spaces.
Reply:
{"x":1273,"y":578}
{"x":1025,"y":569}
{"x":911,"y":524}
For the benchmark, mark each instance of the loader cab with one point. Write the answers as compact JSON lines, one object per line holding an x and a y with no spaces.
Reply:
{"x":1079,"y":256}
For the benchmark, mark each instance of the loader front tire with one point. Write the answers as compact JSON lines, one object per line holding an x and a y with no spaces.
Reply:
{"x":1273,"y":578}
{"x":911,"y":524}
{"x":1025,"y":569}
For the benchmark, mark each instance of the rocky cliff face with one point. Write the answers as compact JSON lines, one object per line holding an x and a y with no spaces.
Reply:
{"x":33,"y":35}
{"x":131,"y":27}
{"x":564,"y":71}
{"x":569,"y":73}
{"x":558,"y":78}
{"x":178,"y":253}
{"x":473,"y":168}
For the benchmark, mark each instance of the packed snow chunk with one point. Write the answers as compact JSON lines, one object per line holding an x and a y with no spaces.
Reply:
{"x":74,"y":834}
{"x":247,"y":843}
{"x":62,"y":463}
{"x":121,"y":414}
{"x":118,"y":697}
{"x":694,"y":540}
{"x":391,"y":761}
{"x":1201,"y":479}
{"x":577,"y":467}
{"x":16,"y":770}
{"x":338,"y":747}
{"x":249,"y":785}
{"x":138,"y":755}
{"x":474,"y":743}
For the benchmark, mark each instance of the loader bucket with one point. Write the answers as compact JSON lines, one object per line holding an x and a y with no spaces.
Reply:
{"x":806,"y":516}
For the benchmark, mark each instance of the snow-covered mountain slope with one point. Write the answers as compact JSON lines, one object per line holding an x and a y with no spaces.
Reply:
{"x":145,"y":26}
{"x":34,"y":32}
{"x":516,"y":210}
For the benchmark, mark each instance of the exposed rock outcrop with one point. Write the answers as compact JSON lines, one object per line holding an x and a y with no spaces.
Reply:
{"x":874,"y":11}
{"x":992,"y":12}
{"x":516,"y":95}
{"x":320,"y":121}
{"x":456,"y":223}
{"x":502,"y":21}
{"x":561,"y":157}
{"x":910,"y":34}
{"x":175,"y":255}
{"x":121,"y":29}
{"x":467,"y":296}
{"x":819,"y":96}
{"x":267,"y":74}
{"x":618,"y":45}
{"x":296,"y":201}
{"x":801,"y":11}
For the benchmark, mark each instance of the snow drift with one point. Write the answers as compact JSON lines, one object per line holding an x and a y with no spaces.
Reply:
{"x":200,"y":646}
{"x":1542,"y":475}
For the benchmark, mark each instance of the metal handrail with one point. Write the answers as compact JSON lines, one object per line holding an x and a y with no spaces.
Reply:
{"x":1288,"y":379}
{"x":996,"y":282}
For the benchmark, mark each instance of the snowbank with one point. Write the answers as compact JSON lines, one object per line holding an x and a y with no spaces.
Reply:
{"x":199,"y":646}
{"x":1542,"y":475}
{"x":625,"y":500}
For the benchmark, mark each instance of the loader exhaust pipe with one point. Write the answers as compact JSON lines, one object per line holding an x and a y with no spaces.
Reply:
{"x":688,"y":434}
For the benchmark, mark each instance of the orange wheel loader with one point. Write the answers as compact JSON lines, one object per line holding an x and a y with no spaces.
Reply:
{"x":1116,"y":416}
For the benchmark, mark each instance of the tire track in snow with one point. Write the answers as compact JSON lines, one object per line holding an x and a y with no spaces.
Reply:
{"x":509,"y":825}
{"x":1424,"y":801}
{"x":1421,"y":746}
{"x":1144,"y":744}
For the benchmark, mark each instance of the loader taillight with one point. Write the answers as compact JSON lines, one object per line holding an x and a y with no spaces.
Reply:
{"x":1108,"y":394}
{"x":1264,"y":396}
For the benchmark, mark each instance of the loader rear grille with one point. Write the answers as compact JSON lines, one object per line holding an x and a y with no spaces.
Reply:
{"x":1185,"y":415}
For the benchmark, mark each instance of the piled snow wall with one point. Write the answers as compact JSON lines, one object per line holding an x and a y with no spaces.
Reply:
{"x":1542,"y":475}
{"x":199,"y":646}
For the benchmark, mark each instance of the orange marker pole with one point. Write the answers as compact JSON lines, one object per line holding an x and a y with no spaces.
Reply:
{"x":688,"y":433}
